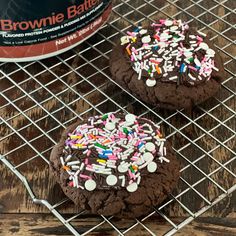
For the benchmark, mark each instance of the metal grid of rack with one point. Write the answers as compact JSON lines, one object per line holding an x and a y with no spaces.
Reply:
{"x":39,"y":99}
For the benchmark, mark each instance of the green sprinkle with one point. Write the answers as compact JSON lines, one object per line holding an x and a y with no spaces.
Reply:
{"x":99,"y":145}
{"x":190,"y":59}
{"x":104,"y":117}
{"x":125,"y":130}
{"x":132,"y":170}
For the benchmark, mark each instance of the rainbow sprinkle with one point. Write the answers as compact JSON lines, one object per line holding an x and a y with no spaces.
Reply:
{"x":112,"y":151}
{"x":171,"y":54}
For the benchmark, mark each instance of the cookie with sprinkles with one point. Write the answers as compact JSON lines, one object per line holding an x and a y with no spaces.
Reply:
{"x":115,"y":164}
{"x":168,"y":64}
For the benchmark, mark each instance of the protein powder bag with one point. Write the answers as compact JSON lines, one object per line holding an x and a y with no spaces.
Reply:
{"x":31,"y":29}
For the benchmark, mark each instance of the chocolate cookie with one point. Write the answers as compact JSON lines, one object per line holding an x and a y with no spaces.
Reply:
{"x":168,"y":65}
{"x":115,"y":164}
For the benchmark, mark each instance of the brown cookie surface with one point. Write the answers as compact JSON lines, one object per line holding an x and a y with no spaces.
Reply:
{"x":167,"y":74}
{"x":119,"y":199}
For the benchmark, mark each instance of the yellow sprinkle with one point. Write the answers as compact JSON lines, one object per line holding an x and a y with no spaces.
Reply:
{"x":79,"y":145}
{"x":134,"y":39}
{"x":101,"y":161}
{"x":75,"y":137}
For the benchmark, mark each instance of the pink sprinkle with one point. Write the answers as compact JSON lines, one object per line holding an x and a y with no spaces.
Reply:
{"x":134,"y":158}
{"x":128,"y":46}
{"x":86,"y":160}
{"x":134,"y":50}
{"x":137,"y":143}
{"x":158,"y":132}
{"x":85,"y":176}
{"x":132,"y":58}
{"x":90,"y":169}
{"x":71,"y":184}
{"x":130,"y":33}
{"x":112,"y":157}
{"x":130,"y":173}
{"x":192,"y":68}
{"x":199,"y":38}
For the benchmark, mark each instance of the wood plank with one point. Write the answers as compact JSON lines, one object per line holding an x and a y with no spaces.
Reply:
{"x":43,"y":224}
{"x":37,"y":172}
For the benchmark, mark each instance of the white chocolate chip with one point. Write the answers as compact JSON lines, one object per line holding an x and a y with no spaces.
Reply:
{"x":147,"y":156}
{"x":143,"y":31}
{"x":151,"y":82}
{"x":150,"y":146}
{"x":152,"y":166}
{"x":164,"y":35}
{"x":210,"y":52}
{"x":110,"y":126}
{"x":111,"y":180}
{"x":132,"y":187}
{"x":146,"y":39}
{"x":124,"y":40}
{"x":130,"y":118}
{"x":168,"y":22}
{"x":173,"y":28}
{"x":203,"y":46}
{"x":122,"y":168}
{"x":90,"y":185}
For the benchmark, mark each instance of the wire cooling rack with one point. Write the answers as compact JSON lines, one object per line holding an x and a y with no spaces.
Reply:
{"x":40,"y":99}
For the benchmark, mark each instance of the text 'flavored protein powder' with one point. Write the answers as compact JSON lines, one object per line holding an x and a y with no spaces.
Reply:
{"x":31,"y":30}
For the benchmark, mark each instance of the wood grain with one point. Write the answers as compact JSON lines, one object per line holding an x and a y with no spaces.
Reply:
{"x":43,"y":224}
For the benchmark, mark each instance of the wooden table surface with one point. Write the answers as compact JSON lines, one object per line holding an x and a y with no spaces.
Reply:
{"x":19,"y":216}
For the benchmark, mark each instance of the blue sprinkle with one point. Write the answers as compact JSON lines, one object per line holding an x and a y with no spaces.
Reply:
{"x":102,"y":156}
{"x":182,"y":68}
{"x":107,"y":151}
{"x":136,"y":30}
{"x":140,"y":145}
